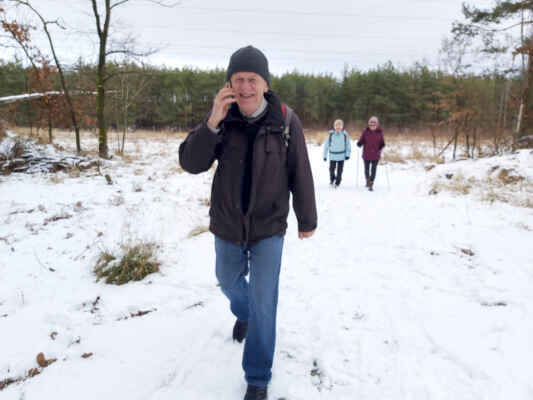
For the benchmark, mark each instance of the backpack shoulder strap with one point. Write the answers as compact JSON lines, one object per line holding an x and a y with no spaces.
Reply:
{"x":287,"y":115}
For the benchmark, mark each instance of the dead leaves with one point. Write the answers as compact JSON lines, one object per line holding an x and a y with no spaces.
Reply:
{"x":43,"y":362}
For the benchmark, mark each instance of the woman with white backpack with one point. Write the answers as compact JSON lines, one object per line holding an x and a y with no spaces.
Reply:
{"x":337,"y":146}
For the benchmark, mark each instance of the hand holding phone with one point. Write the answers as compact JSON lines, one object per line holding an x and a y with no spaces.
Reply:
{"x":221,"y":105}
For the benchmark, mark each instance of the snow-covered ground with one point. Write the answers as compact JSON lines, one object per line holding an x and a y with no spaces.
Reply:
{"x":401,"y":294}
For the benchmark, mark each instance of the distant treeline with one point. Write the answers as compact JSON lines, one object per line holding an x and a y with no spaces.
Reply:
{"x":148,"y":97}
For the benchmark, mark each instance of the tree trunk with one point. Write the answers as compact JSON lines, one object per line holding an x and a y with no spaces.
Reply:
{"x":50,"y":137}
{"x":434,"y":139}
{"x":455,"y":136}
{"x":100,"y":77}
{"x":474,"y":140}
{"x":525,"y":133}
{"x":100,"y":117}
{"x":125,"y":118}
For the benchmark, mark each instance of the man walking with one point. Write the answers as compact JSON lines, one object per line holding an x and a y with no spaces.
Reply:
{"x":259,"y":164}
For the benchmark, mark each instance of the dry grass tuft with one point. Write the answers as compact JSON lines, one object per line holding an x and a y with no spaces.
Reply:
{"x":509,"y":176}
{"x":176,"y":169}
{"x":315,"y":136}
{"x":205,"y":202}
{"x":491,"y":194}
{"x":505,"y":187}
{"x":56,"y":179}
{"x":41,"y":139}
{"x":162,"y":136}
{"x":134,"y":264}
{"x":198,"y":231}
{"x":417,"y":153}
{"x":528,"y":203}
{"x":393,"y":156}
{"x":457,"y":184}
{"x":74,"y":173}
{"x":129,"y":158}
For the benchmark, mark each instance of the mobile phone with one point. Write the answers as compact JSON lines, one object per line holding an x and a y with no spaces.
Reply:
{"x":229,"y":85}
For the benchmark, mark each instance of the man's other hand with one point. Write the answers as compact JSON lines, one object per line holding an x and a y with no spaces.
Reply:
{"x":305,"y":235}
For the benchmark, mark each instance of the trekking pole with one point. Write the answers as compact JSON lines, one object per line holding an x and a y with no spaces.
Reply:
{"x":357,"y":178}
{"x":387,"y":173}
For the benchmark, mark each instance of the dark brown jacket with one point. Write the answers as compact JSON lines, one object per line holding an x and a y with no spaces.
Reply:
{"x":277,"y":169}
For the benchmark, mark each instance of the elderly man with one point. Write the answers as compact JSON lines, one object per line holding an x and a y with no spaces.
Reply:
{"x":259,"y":164}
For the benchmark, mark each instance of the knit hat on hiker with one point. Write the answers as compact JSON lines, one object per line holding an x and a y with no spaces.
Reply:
{"x":248,"y":59}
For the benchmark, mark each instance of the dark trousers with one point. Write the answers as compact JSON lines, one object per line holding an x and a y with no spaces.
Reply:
{"x":370,"y":169}
{"x":335,"y":178}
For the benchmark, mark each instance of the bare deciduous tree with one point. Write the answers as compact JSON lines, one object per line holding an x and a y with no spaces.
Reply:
{"x":45,"y":25}
{"x":103,"y":23}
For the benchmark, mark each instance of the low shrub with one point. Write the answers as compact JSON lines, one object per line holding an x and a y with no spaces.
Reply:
{"x":134,"y":264}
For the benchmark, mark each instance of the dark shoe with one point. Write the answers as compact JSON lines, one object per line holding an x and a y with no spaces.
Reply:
{"x":239,"y":330}
{"x":371,"y":185}
{"x":366,"y":183}
{"x":256,"y":393}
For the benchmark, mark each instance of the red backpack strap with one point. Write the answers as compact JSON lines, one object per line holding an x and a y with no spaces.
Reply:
{"x":283,"y":109}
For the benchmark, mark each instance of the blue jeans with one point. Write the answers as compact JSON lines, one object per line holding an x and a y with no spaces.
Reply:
{"x":255,"y":301}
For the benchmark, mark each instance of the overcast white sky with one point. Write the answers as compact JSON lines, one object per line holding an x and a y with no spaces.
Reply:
{"x":312,"y":37}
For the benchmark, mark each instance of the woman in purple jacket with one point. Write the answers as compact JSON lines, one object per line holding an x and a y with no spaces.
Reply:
{"x":372,"y":141}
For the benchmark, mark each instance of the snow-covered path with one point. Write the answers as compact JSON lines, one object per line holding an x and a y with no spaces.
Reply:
{"x":399,"y":295}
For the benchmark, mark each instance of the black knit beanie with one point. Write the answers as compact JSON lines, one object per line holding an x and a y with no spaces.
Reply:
{"x":248,"y":59}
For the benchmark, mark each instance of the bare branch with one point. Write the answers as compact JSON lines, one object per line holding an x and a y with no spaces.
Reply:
{"x":118,"y":3}
{"x":164,"y":3}
{"x":120,"y":73}
{"x":132,"y":53}
{"x":57,"y":23}
{"x":502,"y":29}
{"x":97,"y":18}
{"x":127,"y":47}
